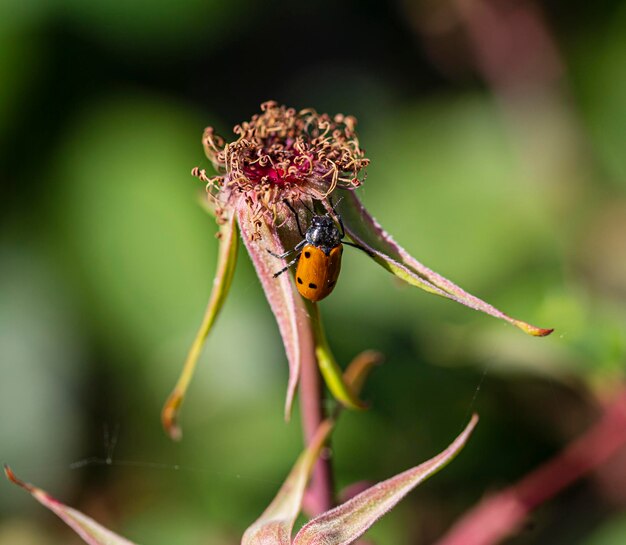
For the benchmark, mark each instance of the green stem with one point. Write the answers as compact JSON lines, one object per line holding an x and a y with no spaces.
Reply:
{"x":331,"y":372}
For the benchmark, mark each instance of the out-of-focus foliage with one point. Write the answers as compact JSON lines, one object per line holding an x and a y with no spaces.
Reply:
{"x":612,"y":533}
{"x":106,"y":262}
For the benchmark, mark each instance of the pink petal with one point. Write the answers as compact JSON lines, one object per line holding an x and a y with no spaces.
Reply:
{"x":286,"y":303}
{"x":87,"y":528}
{"x":275,"y":524}
{"x":366,"y":231}
{"x":346,"y":523}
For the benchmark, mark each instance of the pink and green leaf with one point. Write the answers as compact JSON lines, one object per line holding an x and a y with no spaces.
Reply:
{"x":88,"y":529}
{"x":286,"y":304}
{"x":226,"y":261}
{"x":366,"y":231}
{"x":274,"y":526}
{"x":346,"y":523}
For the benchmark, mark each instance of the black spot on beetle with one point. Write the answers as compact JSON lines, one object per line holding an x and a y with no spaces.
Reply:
{"x":312,"y":286}
{"x":299,"y":280}
{"x":307,"y":254}
{"x":331,"y":284}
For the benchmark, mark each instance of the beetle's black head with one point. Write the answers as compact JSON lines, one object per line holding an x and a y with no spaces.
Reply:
{"x":323,"y":233}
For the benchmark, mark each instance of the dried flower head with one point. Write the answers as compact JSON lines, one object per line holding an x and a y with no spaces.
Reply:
{"x":283,"y":155}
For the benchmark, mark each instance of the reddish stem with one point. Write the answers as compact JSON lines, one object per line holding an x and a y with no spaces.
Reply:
{"x":500,"y":515}
{"x":319,"y":495}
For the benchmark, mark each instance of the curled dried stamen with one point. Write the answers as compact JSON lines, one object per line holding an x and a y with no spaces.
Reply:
{"x":282,"y":154}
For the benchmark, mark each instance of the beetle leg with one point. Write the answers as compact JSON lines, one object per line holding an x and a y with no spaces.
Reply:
{"x":296,"y":248}
{"x":358,"y":246}
{"x":281,"y":256}
{"x":277,"y":274}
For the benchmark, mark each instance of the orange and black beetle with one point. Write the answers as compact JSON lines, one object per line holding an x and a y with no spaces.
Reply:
{"x":318,"y":256}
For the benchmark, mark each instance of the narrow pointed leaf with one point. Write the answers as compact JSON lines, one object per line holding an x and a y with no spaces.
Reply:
{"x":274,"y":526}
{"x":287,"y":305}
{"x":346,"y":523}
{"x":365,"y":230}
{"x":359,"y":369}
{"x":88,"y":529}
{"x":331,"y":372}
{"x":226,"y":261}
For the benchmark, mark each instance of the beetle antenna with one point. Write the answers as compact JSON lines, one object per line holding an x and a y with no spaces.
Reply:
{"x":308,"y":208}
{"x":343,"y":229}
{"x":288,"y":205}
{"x":334,"y":206}
{"x":337,"y":217}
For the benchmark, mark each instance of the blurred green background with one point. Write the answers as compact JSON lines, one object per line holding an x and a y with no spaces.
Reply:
{"x":496,"y":138}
